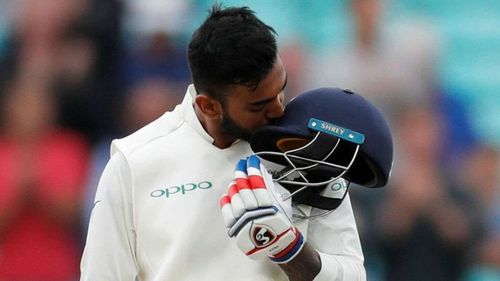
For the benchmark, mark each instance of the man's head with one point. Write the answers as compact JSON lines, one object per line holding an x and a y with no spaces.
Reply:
{"x":237,"y":72}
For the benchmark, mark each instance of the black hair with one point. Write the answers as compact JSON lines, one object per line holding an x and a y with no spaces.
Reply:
{"x":232,"y":46}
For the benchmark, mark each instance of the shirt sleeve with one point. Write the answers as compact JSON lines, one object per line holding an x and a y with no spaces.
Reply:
{"x":109,"y":252}
{"x":336,"y":239}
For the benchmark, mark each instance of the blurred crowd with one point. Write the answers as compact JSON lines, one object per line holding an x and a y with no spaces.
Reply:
{"x":75,"y":74}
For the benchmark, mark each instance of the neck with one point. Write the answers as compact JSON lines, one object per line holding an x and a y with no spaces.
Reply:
{"x":223,"y":141}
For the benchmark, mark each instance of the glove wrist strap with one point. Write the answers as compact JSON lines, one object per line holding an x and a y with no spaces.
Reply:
{"x":291,"y":251}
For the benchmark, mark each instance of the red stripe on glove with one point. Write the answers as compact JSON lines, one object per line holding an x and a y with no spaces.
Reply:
{"x":256,"y":182}
{"x":242,"y":183}
{"x":224,"y":200}
{"x":233,"y":189}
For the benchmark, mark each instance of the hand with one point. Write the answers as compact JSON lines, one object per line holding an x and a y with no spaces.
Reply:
{"x":255,"y":218}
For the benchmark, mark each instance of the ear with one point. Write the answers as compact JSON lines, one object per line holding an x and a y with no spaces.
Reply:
{"x":210,"y":107}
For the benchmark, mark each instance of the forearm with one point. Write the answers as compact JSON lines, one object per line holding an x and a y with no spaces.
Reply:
{"x":305,"y":266}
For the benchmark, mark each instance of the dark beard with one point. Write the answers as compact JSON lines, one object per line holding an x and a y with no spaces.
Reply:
{"x":230,"y":127}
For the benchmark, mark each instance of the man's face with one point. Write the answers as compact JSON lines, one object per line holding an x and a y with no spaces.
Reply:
{"x":246,"y":109}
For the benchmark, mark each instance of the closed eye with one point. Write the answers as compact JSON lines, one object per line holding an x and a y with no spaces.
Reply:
{"x":261,"y":103}
{"x":257,"y":108}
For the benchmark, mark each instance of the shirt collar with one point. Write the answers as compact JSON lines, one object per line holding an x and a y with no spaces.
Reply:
{"x":189,"y":115}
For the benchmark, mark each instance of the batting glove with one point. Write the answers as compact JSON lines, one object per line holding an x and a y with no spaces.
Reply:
{"x":252,"y":215}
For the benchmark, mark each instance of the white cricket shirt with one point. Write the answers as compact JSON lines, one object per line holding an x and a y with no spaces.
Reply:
{"x":156,"y":214}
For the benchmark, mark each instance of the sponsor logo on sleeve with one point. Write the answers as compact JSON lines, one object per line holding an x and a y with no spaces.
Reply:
{"x":336,"y":189}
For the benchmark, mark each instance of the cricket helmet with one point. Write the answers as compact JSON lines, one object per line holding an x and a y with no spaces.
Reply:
{"x":324,"y":135}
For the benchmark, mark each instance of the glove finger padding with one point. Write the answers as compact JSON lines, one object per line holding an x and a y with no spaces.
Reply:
{"x":261,"y":229}
{"x":257,"y":182}
{"x":243,"y":187}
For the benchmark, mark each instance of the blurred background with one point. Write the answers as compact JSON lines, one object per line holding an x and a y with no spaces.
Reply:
{"x":74,"y":74}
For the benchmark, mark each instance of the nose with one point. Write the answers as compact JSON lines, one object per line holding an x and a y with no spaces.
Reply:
{"x":276,"y":108}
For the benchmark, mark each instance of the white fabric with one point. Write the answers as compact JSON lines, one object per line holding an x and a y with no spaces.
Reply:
{"x":157,"y":214}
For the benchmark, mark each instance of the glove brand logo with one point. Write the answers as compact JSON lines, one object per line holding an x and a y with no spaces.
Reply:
{"x":262,"y":235}
{"x":179,"y":189}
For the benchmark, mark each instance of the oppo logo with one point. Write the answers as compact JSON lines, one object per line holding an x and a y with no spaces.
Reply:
{"x":179,"y":189}
{"x":336,"y":186}
{"x":336,"y":189}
